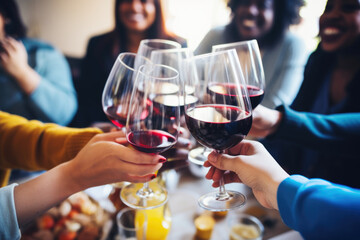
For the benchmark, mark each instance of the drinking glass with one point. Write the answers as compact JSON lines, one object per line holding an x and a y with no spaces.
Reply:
{"x":249,"y":56}
{"x":119,"y":86}
{"x":147,"y":46}
{"x":158,"y":222}
{"x":151,"y":127}
{"x":221,"y":117}
{"x":132,"y":224}
{"x":250,"y":59}
{"x":174,"y":58}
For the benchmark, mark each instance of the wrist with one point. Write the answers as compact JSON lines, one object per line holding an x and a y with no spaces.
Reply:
{"x":69,"y":177}
{"x":28,"y":79}
{"x":277,"y":118}
{"x":273,"y":189}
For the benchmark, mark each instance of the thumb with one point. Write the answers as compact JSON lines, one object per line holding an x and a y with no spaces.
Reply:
{"x":222,"y":161}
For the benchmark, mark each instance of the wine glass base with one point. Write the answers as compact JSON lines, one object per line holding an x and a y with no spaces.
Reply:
{"x":198,"y":155}
{"x":211,"y":202}
{"x":132,"y":197}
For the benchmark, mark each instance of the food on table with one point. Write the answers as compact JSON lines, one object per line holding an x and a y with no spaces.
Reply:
{"x":243,"y":231}
{"x":78,"y":217}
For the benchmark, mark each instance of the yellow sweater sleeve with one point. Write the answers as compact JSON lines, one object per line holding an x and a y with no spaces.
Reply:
{"x":33,"y":145}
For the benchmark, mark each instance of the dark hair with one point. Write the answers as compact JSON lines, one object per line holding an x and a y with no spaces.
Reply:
{"x":286,"y":13}
{"x":156,"y":30}
{"x":14,"y":25}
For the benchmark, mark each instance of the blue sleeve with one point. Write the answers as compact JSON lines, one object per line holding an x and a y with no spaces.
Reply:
{"x":319,"y":209}
{"x":9,"y":228}
{"x":330,"y":133}
{"x":284,"y":71}
{"x":55,"y":96}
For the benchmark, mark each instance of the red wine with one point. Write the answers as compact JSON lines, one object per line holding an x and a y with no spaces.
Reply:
{"x":170,"y":102}
{"x":117,"y":115}
{"x":118,"y":119}
{"x":218,"y":126}
{"x":225,"y":93}
{"x":256,"y":95}
{"x":151,"y":141}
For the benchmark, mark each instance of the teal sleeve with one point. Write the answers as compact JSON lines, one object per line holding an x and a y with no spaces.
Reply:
{"x":55,"y":97}
{"x":337,"y":133}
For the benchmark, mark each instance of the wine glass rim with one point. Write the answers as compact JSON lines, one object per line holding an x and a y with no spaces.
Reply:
{"x":173,"y":50}
{"x":160,"y":65}
{"x":212,"y":54}
{"x":226,"y":45}
{"x":119,"y":58}
{"x":169,"y":42}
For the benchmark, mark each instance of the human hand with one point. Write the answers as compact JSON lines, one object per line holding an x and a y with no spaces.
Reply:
{"x":14,"y":60}
{"x":265,"y":121}
{"x":13,"y":56}
{"x":105,"y":160}
{"x":250,"y":163}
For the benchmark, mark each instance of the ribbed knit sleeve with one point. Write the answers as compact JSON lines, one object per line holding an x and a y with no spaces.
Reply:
{"x":33,"y":145}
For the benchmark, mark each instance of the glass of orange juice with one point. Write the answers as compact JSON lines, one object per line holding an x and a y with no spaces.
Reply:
{"x":158,"y":222}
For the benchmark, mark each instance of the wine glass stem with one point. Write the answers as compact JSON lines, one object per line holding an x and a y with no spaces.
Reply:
{"x":145,"y":191}
{"x":222,"y":195}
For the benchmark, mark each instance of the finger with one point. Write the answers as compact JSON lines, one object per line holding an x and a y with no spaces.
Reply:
{"x":139,"y":169}
{"x":141,"y":179}
{"x":138,"y":157}
{"x":229,"y":177}
{"x":207,"y":164}
{"x":4,"y":48}
{"x":121,"y":140}
{"x":210,"y":173}
{"x":9,"y":44}
{"x":225,"y":161}
{"x":218,"y":174}
{"x":110,"y":136}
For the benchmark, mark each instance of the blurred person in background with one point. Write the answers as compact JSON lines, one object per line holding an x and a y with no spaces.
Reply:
{"x":35,"y":78}
{"x":283,"y":54}
{"x":331,"y":86}
{"x":135,"y":20}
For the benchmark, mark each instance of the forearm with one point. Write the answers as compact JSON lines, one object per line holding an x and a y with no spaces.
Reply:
{"x":42,"y":145}
{"x":336,"y":133}
{"x":333,"y":210}
{"x":27,"y":79}
{"x":58,"y":103}
{"x":38,"y":195}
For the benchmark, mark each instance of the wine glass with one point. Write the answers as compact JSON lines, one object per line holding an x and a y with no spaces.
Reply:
{"x":147,"y":46}
{"x":221,"y":117}
{"x":250,"y":59}
{"x":119,"y":86}
{"x":151,"y":128}
{"x":249,"y":56}
{"x":174,"y":58}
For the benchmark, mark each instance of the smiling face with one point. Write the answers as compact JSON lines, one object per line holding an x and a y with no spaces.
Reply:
{"x":340,"y":24}
{"x":254,"y":18}
{"x":137,"y":15}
